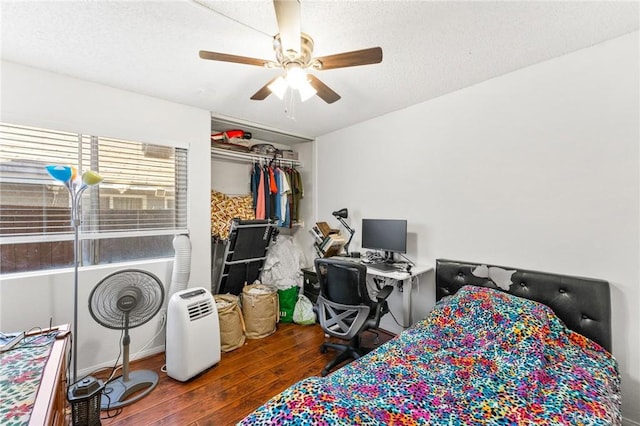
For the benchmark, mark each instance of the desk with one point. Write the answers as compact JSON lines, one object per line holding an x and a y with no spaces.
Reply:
{"x":403,"y":277}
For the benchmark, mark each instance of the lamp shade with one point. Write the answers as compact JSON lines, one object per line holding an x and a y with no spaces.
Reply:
{"x":343,"y":213}
{"x":91,"y":178}
{"x":61,"y":173}
{"x":278,"y":87}
{"x":306,"y":91}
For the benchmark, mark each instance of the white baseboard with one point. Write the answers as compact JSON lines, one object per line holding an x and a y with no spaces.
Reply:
{"x":109,"y":364}
{"x":628,"y":422}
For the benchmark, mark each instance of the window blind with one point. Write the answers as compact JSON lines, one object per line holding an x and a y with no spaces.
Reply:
{"x":31,"y":203}
{"x":143,"y":194}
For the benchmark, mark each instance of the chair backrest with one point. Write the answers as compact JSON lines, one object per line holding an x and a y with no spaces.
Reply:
{"x":343,"y":282}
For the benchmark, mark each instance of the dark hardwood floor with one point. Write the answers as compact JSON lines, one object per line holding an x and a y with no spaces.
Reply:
{"x":243,"y":380}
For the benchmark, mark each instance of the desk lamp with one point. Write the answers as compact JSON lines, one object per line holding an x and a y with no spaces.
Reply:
{"x":341,"y":215}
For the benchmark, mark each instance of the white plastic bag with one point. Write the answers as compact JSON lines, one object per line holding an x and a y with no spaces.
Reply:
{"x":303,"y":312}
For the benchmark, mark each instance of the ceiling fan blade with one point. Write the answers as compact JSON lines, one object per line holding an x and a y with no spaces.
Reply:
{"x":288,"y":17}
{"x":264,"y":91}
{"x":215,"y":56}
{"x":372,"y":55}
{"x":324,"y":91}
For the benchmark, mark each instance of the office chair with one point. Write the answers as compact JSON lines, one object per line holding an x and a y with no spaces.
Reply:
{"x":345,"y":309}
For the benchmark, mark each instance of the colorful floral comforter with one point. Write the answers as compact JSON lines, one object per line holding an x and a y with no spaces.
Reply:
{"x":481,"y":357}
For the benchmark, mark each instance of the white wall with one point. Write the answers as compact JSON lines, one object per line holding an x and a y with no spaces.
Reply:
{"x":31,"y":300}
{"x":301,"y":236}
{"x":43,"y":99}
{"x":536,"y":169}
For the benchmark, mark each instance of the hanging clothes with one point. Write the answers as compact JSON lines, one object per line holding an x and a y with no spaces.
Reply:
{"x":297,"y":194}
{"x":260,"y":198}
{"x":284,"y":193}
{"x":278,"y":196}
{"x":276,"y":193}
{"x":273,"y":190}
{"x":286,"y":199}
{"x":266,"y":191}
{"x":255,"y":182}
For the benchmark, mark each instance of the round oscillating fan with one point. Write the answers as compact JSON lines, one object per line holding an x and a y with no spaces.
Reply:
{"x":124,"y":300}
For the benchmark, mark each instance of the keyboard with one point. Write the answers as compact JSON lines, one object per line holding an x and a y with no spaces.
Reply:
{"x":383,"y":267}
{"x":347,"y":259}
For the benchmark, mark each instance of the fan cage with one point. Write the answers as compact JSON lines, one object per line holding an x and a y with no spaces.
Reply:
{"x":103,"y":301}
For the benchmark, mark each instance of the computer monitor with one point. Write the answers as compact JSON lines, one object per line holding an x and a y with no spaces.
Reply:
{"x":388,"y":235}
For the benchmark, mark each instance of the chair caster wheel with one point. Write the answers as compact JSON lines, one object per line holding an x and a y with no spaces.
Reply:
{"x":323,"y":350}
{"x":324,"y":373}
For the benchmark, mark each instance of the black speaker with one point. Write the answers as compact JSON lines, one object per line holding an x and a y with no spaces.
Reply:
{"x":84,"y":397}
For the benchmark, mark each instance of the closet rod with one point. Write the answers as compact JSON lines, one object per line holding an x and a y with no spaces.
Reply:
{"x":250,"y":157}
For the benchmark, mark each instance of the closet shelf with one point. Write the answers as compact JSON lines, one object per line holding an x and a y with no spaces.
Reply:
{"x":250,"y":157}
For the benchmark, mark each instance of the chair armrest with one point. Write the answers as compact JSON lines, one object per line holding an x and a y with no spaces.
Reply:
{"x":384,"y":293}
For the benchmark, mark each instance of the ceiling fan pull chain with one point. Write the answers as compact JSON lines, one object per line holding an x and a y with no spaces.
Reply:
{"x":289,"y":105}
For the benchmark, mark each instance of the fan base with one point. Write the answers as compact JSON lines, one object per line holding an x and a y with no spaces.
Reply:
{"x":119,"y":393}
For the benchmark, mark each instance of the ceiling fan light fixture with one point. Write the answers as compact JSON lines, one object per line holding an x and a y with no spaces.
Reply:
{"x":296,"y":77}
{"x":306,"y":91}
{"x":278,"y":87}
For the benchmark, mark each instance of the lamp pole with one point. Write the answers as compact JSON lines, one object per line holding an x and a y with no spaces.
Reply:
{"x":351,"y":232}
{"x":68,"y":175}
{"x":75,"y":222}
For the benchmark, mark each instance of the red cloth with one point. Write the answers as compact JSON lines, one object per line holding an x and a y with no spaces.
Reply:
{"x":260,"y":205}
{"x":272,"y":181}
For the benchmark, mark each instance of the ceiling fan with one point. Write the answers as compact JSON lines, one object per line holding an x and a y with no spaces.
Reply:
{"x":294,"y":55}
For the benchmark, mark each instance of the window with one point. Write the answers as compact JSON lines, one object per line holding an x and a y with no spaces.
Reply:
{"x":133,"y":214}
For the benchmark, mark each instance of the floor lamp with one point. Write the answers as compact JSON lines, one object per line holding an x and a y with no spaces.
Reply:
{"x":76,"y":185}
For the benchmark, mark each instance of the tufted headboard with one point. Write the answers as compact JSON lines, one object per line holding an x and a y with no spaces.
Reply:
{"x":583,"y":304}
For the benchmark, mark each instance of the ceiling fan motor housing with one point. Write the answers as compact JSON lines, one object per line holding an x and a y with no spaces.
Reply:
{"x":303,"y":58}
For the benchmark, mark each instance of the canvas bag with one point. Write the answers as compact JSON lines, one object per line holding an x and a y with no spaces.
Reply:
{"x":232,"y":326}
{"x":261,"y":310}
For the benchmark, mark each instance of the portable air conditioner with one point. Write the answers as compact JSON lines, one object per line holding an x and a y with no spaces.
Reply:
{"x":193,"y":333}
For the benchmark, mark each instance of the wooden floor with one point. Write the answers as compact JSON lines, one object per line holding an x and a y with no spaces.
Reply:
{"x":243,"y":380}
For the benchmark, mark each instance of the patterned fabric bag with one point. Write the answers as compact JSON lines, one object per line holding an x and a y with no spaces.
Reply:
{"x":231,"y":322}
{"x":225,"y":208}
{"x":261,"y":310}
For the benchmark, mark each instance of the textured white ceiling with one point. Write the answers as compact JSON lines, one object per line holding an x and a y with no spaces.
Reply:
{"x":430,"y":48}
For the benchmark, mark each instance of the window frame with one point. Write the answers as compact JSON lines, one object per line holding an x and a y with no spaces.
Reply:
{"x":91,"y":232}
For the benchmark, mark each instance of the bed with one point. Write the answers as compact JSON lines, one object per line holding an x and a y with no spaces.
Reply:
{"x":502,"y":346}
